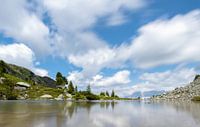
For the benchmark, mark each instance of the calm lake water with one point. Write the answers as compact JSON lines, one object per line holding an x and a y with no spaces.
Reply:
{"x":98,"y":114}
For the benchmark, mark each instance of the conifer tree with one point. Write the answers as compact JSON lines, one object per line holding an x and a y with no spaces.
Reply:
{"x":88,"y":89}
{"x":71,"y":88}
{"x":113,"y":93}
{"x":107,"y":94}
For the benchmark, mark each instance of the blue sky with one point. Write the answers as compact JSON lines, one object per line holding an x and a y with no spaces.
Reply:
{"x":125,"y":45}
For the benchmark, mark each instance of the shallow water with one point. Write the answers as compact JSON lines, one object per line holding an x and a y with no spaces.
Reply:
{"x":98,"y":114}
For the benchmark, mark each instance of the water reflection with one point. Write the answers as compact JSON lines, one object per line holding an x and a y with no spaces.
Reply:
{"x":98,"y":114}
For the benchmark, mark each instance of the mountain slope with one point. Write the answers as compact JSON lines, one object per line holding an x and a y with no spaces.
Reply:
{"x":183,"y":93}
{"x":24,"y":74}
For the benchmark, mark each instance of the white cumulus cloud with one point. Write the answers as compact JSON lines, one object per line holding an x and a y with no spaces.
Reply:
{"x":18,"y":22}
{"x":119,"y":78}
{"x":161,"y":42}
{"x":100,"y":82}
{"x":160,"y":81}
{"x":168,"y":41}
{"x":21,"y":55}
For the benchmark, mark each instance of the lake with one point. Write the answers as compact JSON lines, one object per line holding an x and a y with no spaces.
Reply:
{"x":99,"y":114}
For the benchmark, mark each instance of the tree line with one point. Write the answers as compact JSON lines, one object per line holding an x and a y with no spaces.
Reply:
{"x":73,"y":89}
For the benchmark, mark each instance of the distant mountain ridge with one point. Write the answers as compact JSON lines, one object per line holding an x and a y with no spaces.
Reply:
{"x":25,"y":74}
{"x":146,"y":93}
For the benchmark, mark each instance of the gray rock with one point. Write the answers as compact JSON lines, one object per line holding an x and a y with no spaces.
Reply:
{"x":46,"y":96}
{"x":182,"y":93}
{"x":60,"y":97}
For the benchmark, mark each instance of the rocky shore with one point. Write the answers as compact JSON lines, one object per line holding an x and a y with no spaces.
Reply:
{"x":186,"y":93}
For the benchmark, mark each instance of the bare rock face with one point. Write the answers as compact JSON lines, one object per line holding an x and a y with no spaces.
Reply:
{"x":183,"y":93}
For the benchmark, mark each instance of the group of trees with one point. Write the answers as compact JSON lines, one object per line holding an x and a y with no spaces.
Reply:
{"x":72,"y":89}
{"x":61,"y":80}
{"x":107,"y":94}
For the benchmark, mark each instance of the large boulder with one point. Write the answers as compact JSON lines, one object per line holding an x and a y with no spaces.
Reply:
{"x":60,"y":97}
{"x":1,"y":80}
{"x":46,"y":96}
{"x":23,"y":84}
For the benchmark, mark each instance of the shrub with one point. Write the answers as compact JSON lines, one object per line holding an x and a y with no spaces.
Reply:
{"x":92,"y":97}
{"x":7,"y":89}
{"x":79,"y":96}
{"x":196,"y":98}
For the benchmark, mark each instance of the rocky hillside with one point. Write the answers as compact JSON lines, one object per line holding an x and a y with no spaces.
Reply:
{"x":25,"y":74}
{"x":183,"y":93}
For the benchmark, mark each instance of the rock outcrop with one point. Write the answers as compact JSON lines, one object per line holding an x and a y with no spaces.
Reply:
{"x":183,"y":93}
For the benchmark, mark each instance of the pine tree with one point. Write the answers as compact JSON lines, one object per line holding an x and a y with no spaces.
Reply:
{"x":88,"y":89}
{"x":65,"y":80}
{"x":107,"y":94}
{"x":113,"y":93}
{"x":60,"y":79}
{"x":71,"y":88}
{"x":2,"y":67}
{"x":102,"y":94}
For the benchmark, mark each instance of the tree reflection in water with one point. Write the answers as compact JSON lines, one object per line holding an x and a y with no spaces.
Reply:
{"x":98,"y":114}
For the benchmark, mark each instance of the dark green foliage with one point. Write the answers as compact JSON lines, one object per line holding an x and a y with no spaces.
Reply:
{"x":71,"y":89}
{"x":2,"y":68}
{"x":92,"y":97}
{"x":89,"y":96}
{"x":60,"y":79}
{"x":65,"y":80}
{"x":107,"y":94}
{"x":79,"y":96}
{"x":113,"y":93}
{"x":7,"y":90}
{"x":88,"y":89}
{"x":102,"y":94}
{"x":196,"y":98}
{"x":116,"y":96}
{"x":196,"y":77}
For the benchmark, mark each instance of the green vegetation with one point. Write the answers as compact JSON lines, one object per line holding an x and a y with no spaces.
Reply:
{"x":113,"y":93}
{"x":38,"y":86}
{"x":196,"y":98}
{"x":38,"y":90}
{"x":13,"y":78}
{"x":60,"y":80}
{"x":7,"y":90}
{"x":107,"y":94}
{"x":71,"y":89}
{"x":102,"y":94}
{"x":88,"y":89}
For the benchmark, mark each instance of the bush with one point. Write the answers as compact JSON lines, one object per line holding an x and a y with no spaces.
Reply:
{"x":7,"y":90}
{"x":196,"y":98}
{"x":92,"y":97}
{"x":39,"y":90}
{"x":89,"y":96}
{"x":79,"y":96}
